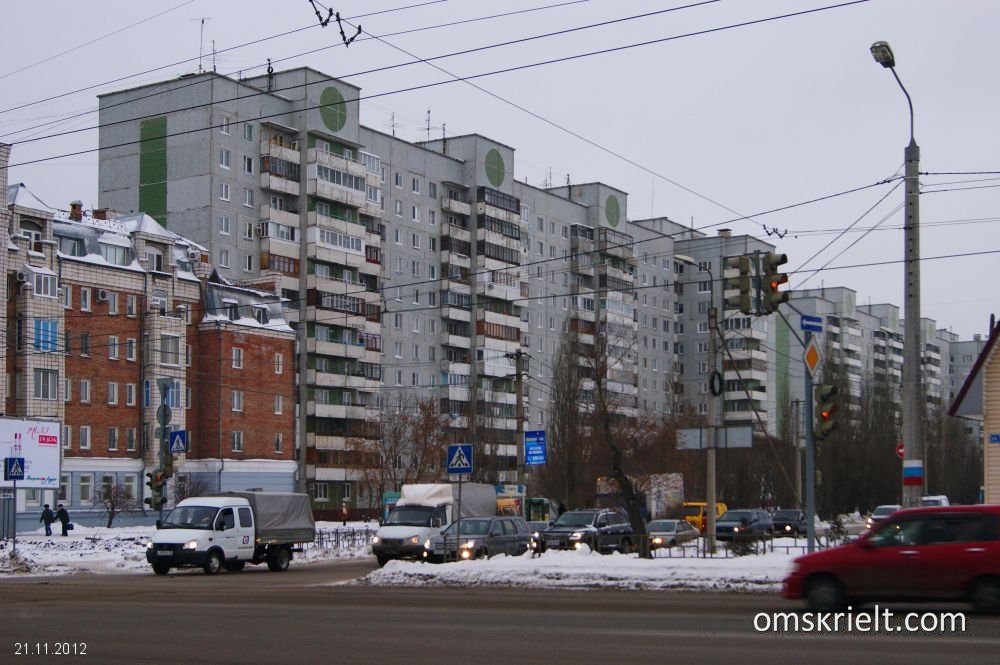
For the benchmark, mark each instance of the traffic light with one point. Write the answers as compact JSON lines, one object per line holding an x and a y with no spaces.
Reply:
{"x":168,"y":466}
{"x":155,"y":484}
{"x":742,"y":283}
{"x":824,"y":407}
{"x":771,"y":283}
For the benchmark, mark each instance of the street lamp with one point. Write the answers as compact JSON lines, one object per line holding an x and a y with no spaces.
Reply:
{"x":713,"y":411}
{"x":913,"y":439}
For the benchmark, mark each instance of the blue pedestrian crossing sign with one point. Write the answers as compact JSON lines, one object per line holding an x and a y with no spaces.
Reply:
{"x":13,"y":468}
{"x":460,"y":458}
{"x":178,"y":441}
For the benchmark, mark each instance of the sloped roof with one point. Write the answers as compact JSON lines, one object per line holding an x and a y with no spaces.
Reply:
{"x":19,"y":195}
{"x":969,"y":401}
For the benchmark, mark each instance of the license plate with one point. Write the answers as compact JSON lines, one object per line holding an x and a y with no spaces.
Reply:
{"x":164,"y":553}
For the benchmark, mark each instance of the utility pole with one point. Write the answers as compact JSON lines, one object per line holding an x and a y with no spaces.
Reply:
{"x":713,"y":416}
{"x":519,"y":411}
{"x":796,"y":417}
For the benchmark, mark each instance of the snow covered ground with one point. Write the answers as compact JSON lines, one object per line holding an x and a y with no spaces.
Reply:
{"x":123,"y":551}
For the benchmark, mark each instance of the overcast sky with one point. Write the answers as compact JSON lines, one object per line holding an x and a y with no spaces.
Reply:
{"x":707,"y":129}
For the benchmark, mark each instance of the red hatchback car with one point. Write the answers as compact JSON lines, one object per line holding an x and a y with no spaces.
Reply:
{"x":941,"y":553}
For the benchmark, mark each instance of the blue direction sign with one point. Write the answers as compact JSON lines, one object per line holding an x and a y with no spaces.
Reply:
{"x":177,"y":441}
{"x":460,"y":458}
{"x":811,"y":323}
{"x":534,"y":448}
{"x":994,"y":438}
{"x":13,"y":468}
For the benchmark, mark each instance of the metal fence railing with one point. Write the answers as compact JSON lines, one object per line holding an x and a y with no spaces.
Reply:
{"x":747,"y":546}
{"x":345,"y":538}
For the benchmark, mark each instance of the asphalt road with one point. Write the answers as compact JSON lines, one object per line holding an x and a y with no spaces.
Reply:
{"x":308,"y":615}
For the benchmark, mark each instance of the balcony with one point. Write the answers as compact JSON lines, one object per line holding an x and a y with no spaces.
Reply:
{"x":327,"y":190}
{"x":284,"y":217}
{"x":449,"y":204}
{"x":279,"y":184}
{"x":314,"y":156}
{"x":272,"y":149}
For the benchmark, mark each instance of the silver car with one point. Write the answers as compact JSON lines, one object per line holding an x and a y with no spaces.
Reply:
{"x":667,"y":533}
{"x":479,"y":537}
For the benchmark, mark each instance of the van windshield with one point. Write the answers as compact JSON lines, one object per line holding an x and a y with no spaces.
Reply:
{"x":692,"y":511}
{"x":410,"y":516}
{"x":189,"y":517}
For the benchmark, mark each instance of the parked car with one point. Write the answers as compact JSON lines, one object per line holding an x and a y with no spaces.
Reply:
{"x":694,"y":513}
{"x":536,"y":544}
{"x":601,"y":529}
{"x":743,"y":523}
{"x":479,"y":537}
{"x":667,"y":533}
{"x":934,"y":500}
{"x":919,"y":554}
{"x":881,"y":513}
{"x":789,"y":522}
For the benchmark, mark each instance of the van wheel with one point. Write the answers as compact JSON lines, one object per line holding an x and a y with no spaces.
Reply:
{"x":278,"y":561}
{"x":235,"y":566}
{"x":824,"y":594}
{"x":985,"y":596}
{"x":213,"y":564}
{"x":161,"y":568}
{"x":382,"y":559}
{"x":626,"y":546}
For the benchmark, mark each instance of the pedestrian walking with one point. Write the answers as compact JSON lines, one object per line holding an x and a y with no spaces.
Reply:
{"x":343,"y":513}
{"x":63,"y":518}
{"x":47,"y":518}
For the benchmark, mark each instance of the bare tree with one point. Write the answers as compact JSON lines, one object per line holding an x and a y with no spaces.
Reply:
{"x":115,"y":499}
{"x":186,"y":486}
{"x":409,"y":449}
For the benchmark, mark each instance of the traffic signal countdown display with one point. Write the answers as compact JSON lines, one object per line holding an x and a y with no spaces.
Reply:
{"x":824,"y":408}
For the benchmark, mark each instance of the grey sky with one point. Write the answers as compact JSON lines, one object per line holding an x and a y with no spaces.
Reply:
{"x":724,"y":124}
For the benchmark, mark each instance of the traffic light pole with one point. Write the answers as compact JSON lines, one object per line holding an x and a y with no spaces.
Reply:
{"x":713,"y":417}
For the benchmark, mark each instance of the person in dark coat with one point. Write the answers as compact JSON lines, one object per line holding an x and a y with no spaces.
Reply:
{"x":47,"y":518}
{"x":63,"y":518}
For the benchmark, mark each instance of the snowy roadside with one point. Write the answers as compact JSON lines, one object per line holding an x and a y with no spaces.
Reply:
{"x":123,"y":551}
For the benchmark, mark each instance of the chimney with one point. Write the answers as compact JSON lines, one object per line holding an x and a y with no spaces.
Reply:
{"x":100,"y":213}
{"x":76,"y":210}
{"x":4,"y":160}
{"x":725,"y":233}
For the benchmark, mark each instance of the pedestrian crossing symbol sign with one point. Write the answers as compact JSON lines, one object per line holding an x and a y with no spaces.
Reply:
{"x":460,"y":458}
{"x":178,"y":442}
{"x":13,"y":468}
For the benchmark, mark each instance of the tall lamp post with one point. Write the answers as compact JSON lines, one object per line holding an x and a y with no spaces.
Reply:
{"x":713,"y":410}
{"x":913,"y":396}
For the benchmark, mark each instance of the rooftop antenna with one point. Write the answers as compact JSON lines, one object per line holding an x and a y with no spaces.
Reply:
{"x":213,"y":57}
{"x":392,"y":122}
{"x":428,"y":124}
{"x":201,"y":40}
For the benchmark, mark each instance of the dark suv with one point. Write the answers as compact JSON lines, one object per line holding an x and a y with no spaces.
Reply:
{"x":600,"y":529}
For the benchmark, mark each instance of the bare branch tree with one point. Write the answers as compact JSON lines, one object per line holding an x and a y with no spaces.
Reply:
{"x":115,"y":499}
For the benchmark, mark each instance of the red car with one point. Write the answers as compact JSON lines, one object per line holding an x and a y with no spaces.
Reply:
{"x":941,"y":553}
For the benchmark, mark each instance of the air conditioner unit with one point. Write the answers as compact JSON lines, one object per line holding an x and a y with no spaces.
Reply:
{"x":193,"y":254}
{"x":295,"y":145}
{"x":21,"y":276}
{"x":102,"y":295}
{"x":260,"y":230}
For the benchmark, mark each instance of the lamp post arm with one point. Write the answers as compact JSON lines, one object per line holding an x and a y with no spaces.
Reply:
{"x":909,"y":101}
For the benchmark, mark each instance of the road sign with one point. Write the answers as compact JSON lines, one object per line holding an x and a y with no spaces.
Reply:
{"x":13,"y":468}
{"x":900,"y":449}
{"x":811,"y":323}
{"x":178,"y":441}
{"x":163,"y":415}
{"x":534,"y":448}
{"x":460,"y":458}
{"x":994,"y":438}
{"x":813,"y":357}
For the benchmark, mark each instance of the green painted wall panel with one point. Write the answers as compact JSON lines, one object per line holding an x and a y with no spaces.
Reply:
{"x":153,"y":168}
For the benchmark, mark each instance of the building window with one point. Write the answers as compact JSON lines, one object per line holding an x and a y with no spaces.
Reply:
{"x":279,"y":363}
{"x":130,"y":439}
{"x":224,"y":158}
{"x":130,"y":348}
{"x":84,"y":391}
{"x":399,"y":179}
{"x":248,"y":131}
{"x":248,"y":230}
{"x":237,"y":357}
{"x":112,"y":347}
{"x":129,"y":394}
{"x":130,"y":305}
{"x":112,"y":438}
{"x":279,"y":443}
{"x":224,"y":191}
{"x":112,"y":393}
{"x":224,"y":225}
{"x":46,"y":334}
{"x":432,"y":190}
{"x":112,"y":303}
{"x":248,"y":198}
{"x":224,"y":125}
{"x":415,"y":186}
{"x":68,"y":297}
{"x":63,"y":487}
{"x":170,"y":350}
{"x":237,"y":439}
{"x":415,"y":213}
{"x":248,"y":264}
{"x":84,"y":437}
{"x":237,"y":400}
{"x":86,"y":488}
{"x":248,"y":164}
{"x":224,"y":258}
{"x":84,"y":299}
{"x":129,"y":484}
{"x":278,"y":405}
{"x":46,"y":384}
{"x":67,"y":390}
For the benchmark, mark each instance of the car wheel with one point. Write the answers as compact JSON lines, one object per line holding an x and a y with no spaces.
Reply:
{"x":985,"y":596}
{"x":161,"y":568}
{"x":672,"y":543}
{"x":626,"y":546}
{"x":382,"y":560}
{"x":824,"y":594}
{"x":213,"y":564}
{"x":278,"y":561}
